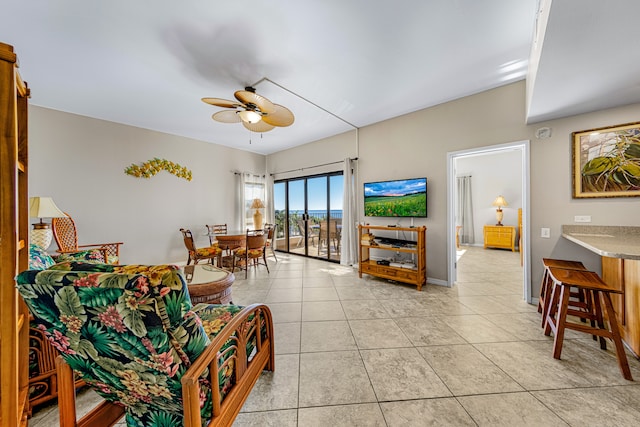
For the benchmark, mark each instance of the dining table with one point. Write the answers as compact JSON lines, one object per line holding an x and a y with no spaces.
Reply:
{"x":229,"y":241}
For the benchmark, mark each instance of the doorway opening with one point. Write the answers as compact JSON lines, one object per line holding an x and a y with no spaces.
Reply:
{"x":308,"y":215}
{"x":484,"y":212}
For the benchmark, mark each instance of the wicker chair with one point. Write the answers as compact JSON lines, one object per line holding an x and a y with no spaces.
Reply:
{"x":197,"y":254}
{"x":214,"y":229}
{"x":251,"y":253}
{"x":66,"y":236}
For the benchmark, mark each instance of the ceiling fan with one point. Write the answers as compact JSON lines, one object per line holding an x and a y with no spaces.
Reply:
{"x":256,"y":112}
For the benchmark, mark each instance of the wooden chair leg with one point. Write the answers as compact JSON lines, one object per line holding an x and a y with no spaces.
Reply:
{"x":550,"y":309}
{"x":623,"y":363}
{"x":599,"y":319}
{"x":560,"y":321}
{"x":66,"y":394}
{"x":105,"y":414}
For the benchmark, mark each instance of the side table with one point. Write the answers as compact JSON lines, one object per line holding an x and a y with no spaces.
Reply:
{"x":503,"y":236}
{"x":208,"y":284}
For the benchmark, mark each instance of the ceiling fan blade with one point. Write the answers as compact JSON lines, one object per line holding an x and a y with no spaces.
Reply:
{"x":259,"y":101}
{"x":219,"y":102}
{"x":226,"y":116}
{"x":258,"y":127}
{"x":281,"y":116}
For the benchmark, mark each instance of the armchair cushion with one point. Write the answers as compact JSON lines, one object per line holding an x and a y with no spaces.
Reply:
{"x":39,"y":259}
{"x":95,"y":255}
{"x":130,"y":331}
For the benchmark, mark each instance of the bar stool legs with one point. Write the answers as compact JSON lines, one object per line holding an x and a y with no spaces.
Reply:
{"x":545,"y":285}
{"x":591,"y":285}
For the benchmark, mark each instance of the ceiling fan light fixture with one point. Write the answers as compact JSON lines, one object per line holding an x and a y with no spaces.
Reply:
{"x":249,"y":116}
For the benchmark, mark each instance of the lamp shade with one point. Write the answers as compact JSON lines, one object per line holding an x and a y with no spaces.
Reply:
{"x":257,"y":204}
{"x":500,"y":202}
{"x":43,"y":207}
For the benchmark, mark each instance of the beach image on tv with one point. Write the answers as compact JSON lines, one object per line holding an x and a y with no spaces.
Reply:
{"x":400,"y":198}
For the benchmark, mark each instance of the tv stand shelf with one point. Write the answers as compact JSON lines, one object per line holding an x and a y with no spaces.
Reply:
{"x":416,"y":276}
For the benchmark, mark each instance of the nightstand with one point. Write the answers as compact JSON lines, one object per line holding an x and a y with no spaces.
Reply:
{"x":500,"y":236}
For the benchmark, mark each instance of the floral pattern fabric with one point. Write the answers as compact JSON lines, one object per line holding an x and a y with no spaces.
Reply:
{"x":130,"y":331}
{"x":95,"y":255}
{"x":39,"y":259}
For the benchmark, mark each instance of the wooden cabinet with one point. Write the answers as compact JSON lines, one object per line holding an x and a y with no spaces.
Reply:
{"x":500,"y":236}
{"x":374,"y":238}
{"x":624,"y":275}
{"x":14,"y":247}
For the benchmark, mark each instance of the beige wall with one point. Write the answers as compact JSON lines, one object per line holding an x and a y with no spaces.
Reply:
{"x":80,"y":162}
{"x":417,"y":144}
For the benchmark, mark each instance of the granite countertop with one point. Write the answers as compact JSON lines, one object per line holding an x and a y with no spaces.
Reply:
{"x":606,"y":240}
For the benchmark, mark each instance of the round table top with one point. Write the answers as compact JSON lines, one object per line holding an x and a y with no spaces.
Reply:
{"x":205,"y":274}
{"x":209,"y":284}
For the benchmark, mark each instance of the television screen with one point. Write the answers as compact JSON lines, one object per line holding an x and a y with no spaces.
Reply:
{"x":398,"y":198}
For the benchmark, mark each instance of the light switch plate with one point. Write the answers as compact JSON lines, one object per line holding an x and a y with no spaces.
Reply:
{"x":582,"y":218}
{"x":545,"y":233}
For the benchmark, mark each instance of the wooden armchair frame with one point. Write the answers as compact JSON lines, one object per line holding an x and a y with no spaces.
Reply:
{"x":66,"y":237}
{"x":245,"y":325}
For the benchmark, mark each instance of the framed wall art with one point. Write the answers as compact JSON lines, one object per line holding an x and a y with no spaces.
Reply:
{"x":606,"y":162}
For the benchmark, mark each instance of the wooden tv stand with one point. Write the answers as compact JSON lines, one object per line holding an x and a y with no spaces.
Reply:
{"x":416,"y":276}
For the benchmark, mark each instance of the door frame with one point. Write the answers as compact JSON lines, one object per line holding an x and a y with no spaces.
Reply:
{"x":524,"y":147}
{"x":306,"y":178}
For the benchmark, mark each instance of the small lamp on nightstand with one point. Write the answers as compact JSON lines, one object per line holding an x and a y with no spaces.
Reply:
{"x":257,"y":216}
{"x":43,"y":207}
{"x":500,"y":202}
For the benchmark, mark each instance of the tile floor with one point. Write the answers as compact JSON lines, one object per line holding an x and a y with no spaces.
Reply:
{"x":368,"y":352}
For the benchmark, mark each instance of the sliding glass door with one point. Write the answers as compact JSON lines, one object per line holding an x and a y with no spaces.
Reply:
{"x":308,"y":213}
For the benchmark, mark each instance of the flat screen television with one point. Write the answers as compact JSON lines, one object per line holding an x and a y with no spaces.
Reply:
{"x":397,"y":198}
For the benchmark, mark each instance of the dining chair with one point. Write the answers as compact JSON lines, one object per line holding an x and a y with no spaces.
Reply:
{"x":66,"y":237}
{"x":197,"y":254}
{"x":214,"y":229}
{"x":329,"y":234}
{"x":252,"y":252}
{"x":270,"y":230}
{"x":308,"y":236}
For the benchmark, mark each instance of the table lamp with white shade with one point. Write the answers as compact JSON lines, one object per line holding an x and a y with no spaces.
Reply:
{"x":500,"y":203}
{"x":257,"y":216}
{"x":43,"y":207}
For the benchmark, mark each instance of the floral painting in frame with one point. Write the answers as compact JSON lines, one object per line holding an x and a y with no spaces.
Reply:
{"x":606,"y":162}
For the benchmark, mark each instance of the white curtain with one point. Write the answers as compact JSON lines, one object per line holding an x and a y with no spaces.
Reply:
{"x":349,"y":242}
{"x":464,"y":209}
{"x":250,"y":186}
{"x":242,"y":197}
{"x":269,"y":213}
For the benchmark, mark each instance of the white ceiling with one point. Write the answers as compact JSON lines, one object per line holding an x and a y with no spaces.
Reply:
{"x":147,"y":63}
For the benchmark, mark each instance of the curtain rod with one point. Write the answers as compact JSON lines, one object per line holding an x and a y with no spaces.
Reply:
{"x":248,"y":173}
{"x":310,"y":167}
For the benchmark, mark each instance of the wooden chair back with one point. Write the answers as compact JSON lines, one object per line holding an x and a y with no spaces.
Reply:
{"x":215,"y":229}
{"x":66,"y":237}
{"x":188,"y":240}
{"x":65,"y":233}
{"x":256,"y":239}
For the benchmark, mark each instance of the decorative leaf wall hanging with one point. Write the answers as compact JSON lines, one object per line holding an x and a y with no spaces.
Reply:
{"x":152,"y":167}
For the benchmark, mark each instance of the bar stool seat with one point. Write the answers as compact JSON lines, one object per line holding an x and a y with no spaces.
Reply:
{"x":592,"y":285}
{"x":545,"y":285}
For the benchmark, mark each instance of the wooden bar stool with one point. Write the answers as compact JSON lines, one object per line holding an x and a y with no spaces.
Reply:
{"x":593,"y":286}
{"x":545,"y":285}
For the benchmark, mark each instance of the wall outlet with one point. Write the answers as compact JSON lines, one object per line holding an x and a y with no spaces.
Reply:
{"x":582,"y":218}
{"x":545,"y":233}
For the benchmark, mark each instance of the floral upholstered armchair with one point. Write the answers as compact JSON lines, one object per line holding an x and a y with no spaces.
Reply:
{"x":132,"y":333}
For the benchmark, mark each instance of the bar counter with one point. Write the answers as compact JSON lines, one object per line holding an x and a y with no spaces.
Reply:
{"x":619,"y":248}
